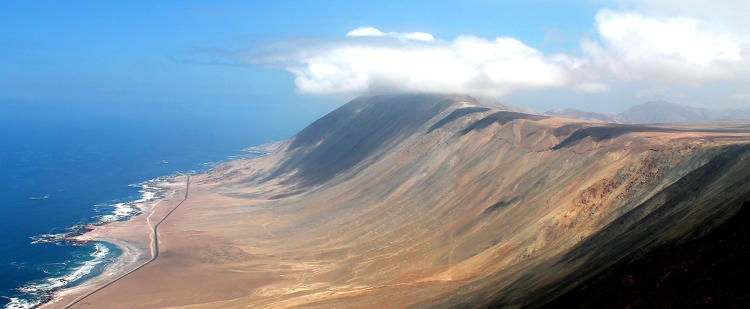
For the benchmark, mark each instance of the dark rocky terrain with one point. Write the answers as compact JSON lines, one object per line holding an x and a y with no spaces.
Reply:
{"x":708,"y":270}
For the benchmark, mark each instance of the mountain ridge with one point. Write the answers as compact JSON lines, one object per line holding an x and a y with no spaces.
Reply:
{"x":438,"y":201}
{"x":656,"y":112}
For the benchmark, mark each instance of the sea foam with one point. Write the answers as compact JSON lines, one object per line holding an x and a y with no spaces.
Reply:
{"x":41,"y":291}
{"x":149,"y":192}
{"x":38,"y":292}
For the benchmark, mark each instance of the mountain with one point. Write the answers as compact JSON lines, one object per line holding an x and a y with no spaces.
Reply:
{"x":656,"y":112}
{"x":494,"y":103}
{"x":432,"y":201}
{"x":579,"y":114}
{"x":665,"y":112}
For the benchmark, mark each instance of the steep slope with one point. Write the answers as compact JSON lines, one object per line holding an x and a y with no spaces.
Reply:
{"x":706,"y":271}
{"x":435,"y":201}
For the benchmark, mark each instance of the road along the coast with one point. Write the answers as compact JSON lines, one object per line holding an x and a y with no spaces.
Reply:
{"x":154,"y":249}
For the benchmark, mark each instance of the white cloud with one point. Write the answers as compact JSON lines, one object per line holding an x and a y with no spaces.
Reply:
{"x":416,"y":62}
{"x":675,"y":49}
{"x":374,"y":32}
{"x":731,"y":15}
{"x":421,"y":36}
{"x":366,"y":31}
{"x":644,"y":44}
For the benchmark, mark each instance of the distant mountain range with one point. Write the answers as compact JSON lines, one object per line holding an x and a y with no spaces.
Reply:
{"x":656,"y":112}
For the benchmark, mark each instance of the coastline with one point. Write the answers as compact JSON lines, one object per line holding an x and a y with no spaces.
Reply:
{"x":125,"y":228}
{"x":309,"y":228}
{"x":130,"y":255}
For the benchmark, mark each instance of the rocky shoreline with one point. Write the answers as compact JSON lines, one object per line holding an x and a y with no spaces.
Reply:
{"x":132,"y":253}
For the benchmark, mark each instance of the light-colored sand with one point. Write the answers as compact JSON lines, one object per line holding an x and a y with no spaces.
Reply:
{"x":132,"y":237}
{"x":439,"y":218}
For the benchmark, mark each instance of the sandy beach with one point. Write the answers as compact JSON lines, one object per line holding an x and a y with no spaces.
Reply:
{"x":133,"y":237}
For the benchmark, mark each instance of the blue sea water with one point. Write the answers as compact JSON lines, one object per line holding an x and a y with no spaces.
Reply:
{"x":58,"y":160}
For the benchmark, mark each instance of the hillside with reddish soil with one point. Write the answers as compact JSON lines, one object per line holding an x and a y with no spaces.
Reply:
{"x":435,"y":201}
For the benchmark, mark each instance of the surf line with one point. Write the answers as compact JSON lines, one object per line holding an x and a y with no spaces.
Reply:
{"x":154,"y":249}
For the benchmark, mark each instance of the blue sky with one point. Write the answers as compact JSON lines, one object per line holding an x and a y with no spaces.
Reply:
{"x":154,"y":52}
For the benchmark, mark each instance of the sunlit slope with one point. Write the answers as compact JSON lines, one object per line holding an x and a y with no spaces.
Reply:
{"x":427,"y":200}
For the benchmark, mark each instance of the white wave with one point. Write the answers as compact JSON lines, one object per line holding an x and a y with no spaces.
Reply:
{"x":121,"y":211}
{"x":148,"y":193}
{"x":53,"y":283}
{"x":43,"y":238}
{"x":59,"y":237}
{"x":20,"y":303}
{"x":40,"y":291}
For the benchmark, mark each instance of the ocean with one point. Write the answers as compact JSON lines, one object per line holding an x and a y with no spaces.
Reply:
{"x":70,"y":164}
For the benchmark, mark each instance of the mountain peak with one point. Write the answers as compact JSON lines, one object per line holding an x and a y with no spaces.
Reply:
{"x":655,"y":112}
{"x":665,"y":112}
